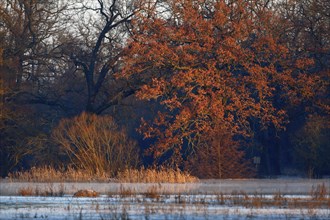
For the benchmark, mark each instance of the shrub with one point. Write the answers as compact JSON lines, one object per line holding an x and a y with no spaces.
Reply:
{"x":96,"y":144}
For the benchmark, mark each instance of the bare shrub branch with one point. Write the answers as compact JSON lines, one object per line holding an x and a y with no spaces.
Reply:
{"x":95,"y":143}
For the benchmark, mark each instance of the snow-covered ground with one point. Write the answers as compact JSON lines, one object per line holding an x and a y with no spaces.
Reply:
{"x":211,"y":199}
{"x":17,"y":207}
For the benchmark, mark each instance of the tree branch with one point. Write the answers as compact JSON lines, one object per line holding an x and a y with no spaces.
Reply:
{"x":116,"y":100}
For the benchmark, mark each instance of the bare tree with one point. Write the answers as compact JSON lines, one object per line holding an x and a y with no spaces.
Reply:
{"x":96,"y":48}
{"x":27,"y":43}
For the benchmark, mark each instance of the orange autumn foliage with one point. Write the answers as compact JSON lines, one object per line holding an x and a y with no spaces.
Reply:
{"x":211,"y":63}
{"x":220,"y":157}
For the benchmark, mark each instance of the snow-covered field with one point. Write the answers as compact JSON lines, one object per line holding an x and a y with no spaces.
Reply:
{"x":209,"y":199}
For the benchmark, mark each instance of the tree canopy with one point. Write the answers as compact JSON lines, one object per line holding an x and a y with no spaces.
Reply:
{"x":213,"y":64}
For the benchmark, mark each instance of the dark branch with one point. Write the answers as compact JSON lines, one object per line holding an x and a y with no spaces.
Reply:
{"x":116,"y":100}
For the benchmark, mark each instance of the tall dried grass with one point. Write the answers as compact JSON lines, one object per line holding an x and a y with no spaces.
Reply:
{"x":161,"y":175}
{"x":70,"y":174}
{"x":50,"y":174}
{"x":319,"y":192}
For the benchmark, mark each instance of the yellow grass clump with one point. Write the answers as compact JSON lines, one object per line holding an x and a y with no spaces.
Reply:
{"x":26,"y":192}
{"x":162,"y":175}
{"x":86,"y":193}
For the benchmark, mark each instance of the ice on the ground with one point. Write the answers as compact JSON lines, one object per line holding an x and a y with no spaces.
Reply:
{"x":17,"y":207}
{"x":172,"y":201}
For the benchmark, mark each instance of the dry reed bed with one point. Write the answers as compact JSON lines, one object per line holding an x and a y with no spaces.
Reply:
{"x":162,"y":175}
{"x":69,"y":174}
{"x":50,"y":174}
{"x":318,"y":196}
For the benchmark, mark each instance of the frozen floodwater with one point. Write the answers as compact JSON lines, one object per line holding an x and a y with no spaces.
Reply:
{"x":202,"y":200}
{"x":296,"y":186}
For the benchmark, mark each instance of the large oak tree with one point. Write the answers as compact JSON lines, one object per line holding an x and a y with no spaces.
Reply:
{"x":214,"y":66}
